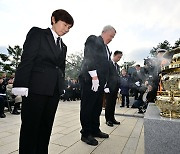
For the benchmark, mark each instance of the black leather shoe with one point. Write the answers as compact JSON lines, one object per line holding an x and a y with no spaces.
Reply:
{"x":121,"y":106}
{"x":89,"y":140}
{"x":116,"y":122}
{"x":101,"y":135}
{"x":109,"y":123}
{"x":16,"y":112}
{"x":2,"y":115}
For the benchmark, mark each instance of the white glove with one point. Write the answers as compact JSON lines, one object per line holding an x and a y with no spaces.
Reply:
{"x":20,"y":91}
{"x":119,"y":90}
{"x":95,"y":85}
{"x":92,"y":73}
{"x":106,"y":90}
{"x":137,"y":83}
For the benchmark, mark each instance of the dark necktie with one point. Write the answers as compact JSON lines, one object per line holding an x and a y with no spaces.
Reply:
{"x":117,"y":69}
{"x":58,"y":43}
{"x":115,"y":64}
{"x":109,"y":56}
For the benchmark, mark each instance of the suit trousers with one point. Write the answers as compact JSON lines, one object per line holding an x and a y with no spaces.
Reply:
{"x":125,"y":96}
{"x":91,"y":107}
{"x":37,"y":115}
{"x":110,"y":105}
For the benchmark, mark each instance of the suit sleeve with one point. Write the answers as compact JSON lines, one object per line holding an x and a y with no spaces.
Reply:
{"x":30,"y":50}
{"x":90,"y":52}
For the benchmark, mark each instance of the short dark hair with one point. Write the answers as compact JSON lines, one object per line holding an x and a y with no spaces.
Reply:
{"x":118,"y":52}
{"x":138,"y":65}
{"x":62,"y":15}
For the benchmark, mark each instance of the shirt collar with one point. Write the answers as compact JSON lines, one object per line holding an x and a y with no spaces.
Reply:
{"x":55,"y":35}
{"x":113,"y":62}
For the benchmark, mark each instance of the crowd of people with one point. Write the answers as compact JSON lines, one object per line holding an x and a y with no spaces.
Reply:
{"x":71,"y":90}
{"x":7,"y":98}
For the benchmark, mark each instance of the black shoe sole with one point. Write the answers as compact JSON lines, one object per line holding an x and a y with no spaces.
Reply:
{"x":116,"y":123}
{"x":102,"y":136}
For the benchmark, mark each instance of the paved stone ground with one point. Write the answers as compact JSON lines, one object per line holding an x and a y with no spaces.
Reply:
{"x":127,"y":138}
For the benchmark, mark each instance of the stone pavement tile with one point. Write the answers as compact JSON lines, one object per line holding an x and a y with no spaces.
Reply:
{"x":131,"y":111}
{"x":58,"y":129}
{"x":67,"y":118}
{"x":9,"y":139}
{"x":8,"y":148}
{"x":79,"y":148}
{"x":4,"y":134}
{"x":138,"y":128}
{"x":113,"y":145}
{"x":123,"y":130}
{"x":128,"y":151}
{"x":71,"y":129}
{"x":140,"y":146}
{"x":70,"y":123}
{"x":131,"y":121}
{"x":121,"y":110}
{"x":131,"y":144}
{"x":14,"y":130}
{"x":69,"y":139}
{"x":55,"y":149}
{"x":15,"y":152}
{"x":55,"y":137}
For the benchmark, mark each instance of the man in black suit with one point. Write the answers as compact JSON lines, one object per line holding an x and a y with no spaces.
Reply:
{"x":41,"y":74}
{"x":112,"y":88}
{"x":138,"y":78}
{"x":93,"y":77}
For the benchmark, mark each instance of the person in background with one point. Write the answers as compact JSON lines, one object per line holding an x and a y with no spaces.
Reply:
{"x":5,"y":78}
{"x":40,"y":77}
{"x":93,"y":77}
{"x":17,"y":99}
{"x":148,"y":96}
{"x":138,"y":78}
{"x":112,"y":89}
{"x":2,"y":98}
{"x":124,"y":86}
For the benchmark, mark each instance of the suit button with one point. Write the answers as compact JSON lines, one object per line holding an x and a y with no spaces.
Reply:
{"x":57,"y":67}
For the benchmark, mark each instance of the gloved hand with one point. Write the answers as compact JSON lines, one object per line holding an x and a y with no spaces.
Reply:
{"x":137,"y":83}
{"x":20,"y":91}
{"x":95,"y":85}
{"x":106,"y":90}
{"x":119,"y":90}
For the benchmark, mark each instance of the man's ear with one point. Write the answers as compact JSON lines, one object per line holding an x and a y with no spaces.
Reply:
{"x":53,"y":20}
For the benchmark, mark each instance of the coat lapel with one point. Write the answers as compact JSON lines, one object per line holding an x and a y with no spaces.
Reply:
{"x":52,"y":43}
{"x":63,"y":49}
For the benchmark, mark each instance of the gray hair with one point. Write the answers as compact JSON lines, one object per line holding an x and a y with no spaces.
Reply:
{"x":108,"y":28}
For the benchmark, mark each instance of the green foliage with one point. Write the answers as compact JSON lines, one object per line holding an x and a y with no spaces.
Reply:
{"x":165,"y":45}
{"x":73,"y":65}
{"x":10,"y":62}
{"x":126,"y":65}
{"x":176,"y":44}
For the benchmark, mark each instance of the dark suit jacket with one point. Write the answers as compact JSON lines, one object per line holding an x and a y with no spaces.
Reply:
{"x":138,"y":77}
{"x":114,"y":77}
{"x":95,"y":58}
{"x":42,"y":66}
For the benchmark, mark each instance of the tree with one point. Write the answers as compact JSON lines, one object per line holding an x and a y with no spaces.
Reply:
{"x":176,"y":44}
{"x":126,"y":65}
{"x":73,"y":65}
{"x":10,"y":62}
{"x":165,"y":45}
